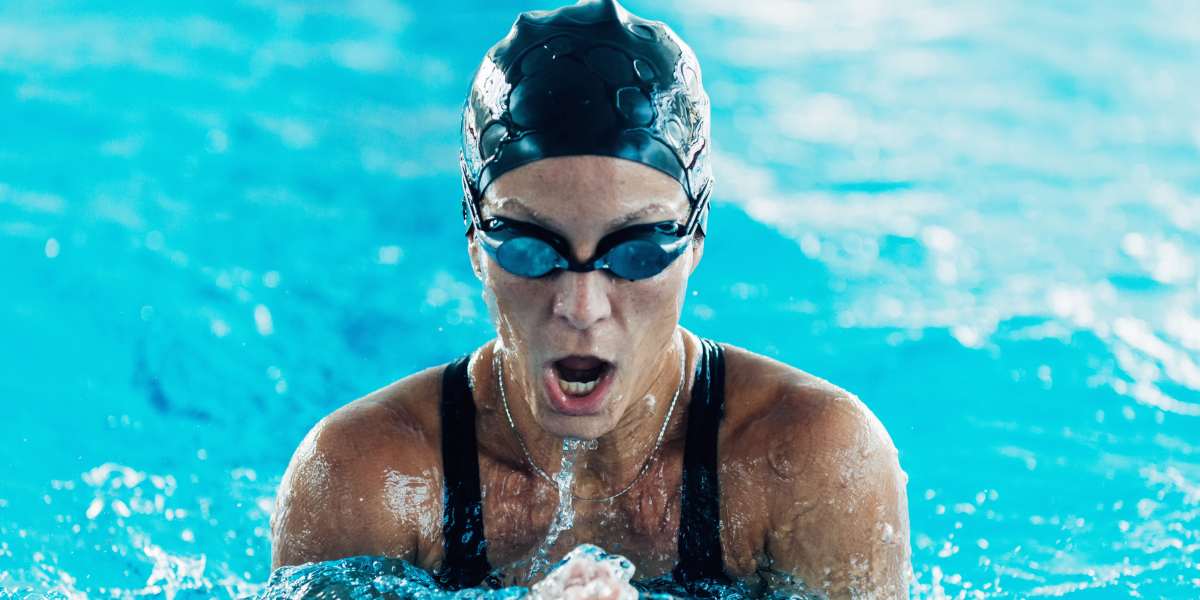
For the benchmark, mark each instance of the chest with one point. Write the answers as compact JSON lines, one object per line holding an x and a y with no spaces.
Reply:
{"x":642,"y":525}
{"x":520,"y":509}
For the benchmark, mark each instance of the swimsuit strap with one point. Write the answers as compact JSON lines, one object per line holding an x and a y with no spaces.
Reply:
{"x":700,"y":511}
{"x":465,"y":563}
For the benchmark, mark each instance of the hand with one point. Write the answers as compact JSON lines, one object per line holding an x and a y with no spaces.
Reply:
{"x":587,"y":573}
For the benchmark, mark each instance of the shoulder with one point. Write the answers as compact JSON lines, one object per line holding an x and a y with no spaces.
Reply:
{"x":397,"y":426}
{"x":837,"y":501}
{"x":365,"y":479}
{"x":776,"y":401}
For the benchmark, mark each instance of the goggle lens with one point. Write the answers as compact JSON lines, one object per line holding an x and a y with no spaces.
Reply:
{"x":527,"y":257}
{"x":638,"y":259}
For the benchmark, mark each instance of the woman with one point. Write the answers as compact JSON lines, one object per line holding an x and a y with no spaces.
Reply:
{"x":586,"y":176}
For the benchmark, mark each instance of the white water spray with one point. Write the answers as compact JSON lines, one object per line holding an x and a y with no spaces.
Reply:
{"x":564,"y":517}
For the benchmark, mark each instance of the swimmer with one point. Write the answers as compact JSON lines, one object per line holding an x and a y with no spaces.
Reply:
{"x":586,"y":176}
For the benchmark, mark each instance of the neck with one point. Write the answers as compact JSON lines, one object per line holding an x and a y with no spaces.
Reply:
{"x":615,"y":459}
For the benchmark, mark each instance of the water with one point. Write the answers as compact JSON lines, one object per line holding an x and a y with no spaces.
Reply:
{"x":564,"y":515}
{"x":219,"y":221}
{"x":596,"y":574}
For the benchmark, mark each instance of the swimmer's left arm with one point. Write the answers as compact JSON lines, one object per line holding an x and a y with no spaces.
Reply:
{"x":841,"y":525}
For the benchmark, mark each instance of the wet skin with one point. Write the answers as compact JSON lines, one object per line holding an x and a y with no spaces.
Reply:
{"x":810,"y":481}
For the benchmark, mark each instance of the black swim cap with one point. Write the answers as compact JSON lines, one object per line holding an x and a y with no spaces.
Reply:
{"x":587,"y":79}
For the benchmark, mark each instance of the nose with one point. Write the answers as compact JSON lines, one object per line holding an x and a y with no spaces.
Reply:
{"x":582,"y":299}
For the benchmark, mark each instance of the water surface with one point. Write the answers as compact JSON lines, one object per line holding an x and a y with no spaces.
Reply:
{"x":220,"y":221}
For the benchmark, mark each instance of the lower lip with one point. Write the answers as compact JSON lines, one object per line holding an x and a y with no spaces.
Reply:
{"x":576,"y":406}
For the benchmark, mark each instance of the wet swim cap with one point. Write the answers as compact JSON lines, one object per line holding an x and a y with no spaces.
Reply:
{"x":587,"y":79}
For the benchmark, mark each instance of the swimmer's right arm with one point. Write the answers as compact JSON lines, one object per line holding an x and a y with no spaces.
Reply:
{"x":356,"y":486}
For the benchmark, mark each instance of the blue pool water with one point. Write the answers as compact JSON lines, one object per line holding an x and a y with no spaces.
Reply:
{"x":219,"y":221}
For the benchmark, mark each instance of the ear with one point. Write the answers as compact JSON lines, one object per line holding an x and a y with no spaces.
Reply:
{"x":697,"y":250}
{"x":473,"y":253}
{"x":698,"y":238}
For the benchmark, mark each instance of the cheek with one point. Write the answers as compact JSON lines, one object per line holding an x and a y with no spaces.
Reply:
{"x":510,"y":297}
{"x":657,"y":297}
{"x":513,"y":307}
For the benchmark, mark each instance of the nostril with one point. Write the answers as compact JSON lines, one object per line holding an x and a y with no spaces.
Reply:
{"x":583,"y":299}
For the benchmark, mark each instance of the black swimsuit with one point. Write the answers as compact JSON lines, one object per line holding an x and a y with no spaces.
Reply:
{"x":466,"y":565}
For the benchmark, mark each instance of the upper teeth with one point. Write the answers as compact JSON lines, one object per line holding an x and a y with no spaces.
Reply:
{"x":577,"y":388}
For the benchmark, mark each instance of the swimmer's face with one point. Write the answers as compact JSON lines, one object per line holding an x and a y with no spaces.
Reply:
{"x":629,"y":325}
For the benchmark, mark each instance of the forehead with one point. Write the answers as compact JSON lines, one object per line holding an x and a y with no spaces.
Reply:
{"x":585,"y":191}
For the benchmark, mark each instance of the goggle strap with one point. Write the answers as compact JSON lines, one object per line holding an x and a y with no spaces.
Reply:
{"x":699,"y":216}
{"x":470,"y":210}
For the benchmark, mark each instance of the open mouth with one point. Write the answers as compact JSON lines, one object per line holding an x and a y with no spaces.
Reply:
{"x":576,"y":385}
{"x":578,"y":375}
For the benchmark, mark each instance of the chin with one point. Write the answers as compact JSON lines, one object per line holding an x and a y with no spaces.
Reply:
{"x":587,"y":427}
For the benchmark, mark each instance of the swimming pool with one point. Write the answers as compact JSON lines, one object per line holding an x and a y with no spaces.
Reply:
{"x":220,"y":221}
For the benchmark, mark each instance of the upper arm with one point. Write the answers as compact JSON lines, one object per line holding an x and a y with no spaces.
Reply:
{"x":356,"y":485}
{"x":841,"y":519}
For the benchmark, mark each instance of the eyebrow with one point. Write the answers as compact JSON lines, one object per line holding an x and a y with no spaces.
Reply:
{"x":637,"y":214}
{"x":612,"y":225}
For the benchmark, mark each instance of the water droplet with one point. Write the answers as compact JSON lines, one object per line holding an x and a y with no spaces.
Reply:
{"x":262,"y":320}
{"x":94,"y":508}
{"x":644,"y":70}
{"x":536,"y":60}
{"x":560,"y":45}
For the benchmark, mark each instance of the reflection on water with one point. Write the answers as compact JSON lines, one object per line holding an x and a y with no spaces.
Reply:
{"x":219,"y":221}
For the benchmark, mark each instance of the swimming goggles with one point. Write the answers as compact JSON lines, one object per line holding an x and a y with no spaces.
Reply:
{"x":634,"y":252}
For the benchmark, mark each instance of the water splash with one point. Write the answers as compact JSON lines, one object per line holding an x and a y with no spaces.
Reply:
{"x":368,"y":577}
{"x":564,"y":517}
{"x":588,"y":572}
